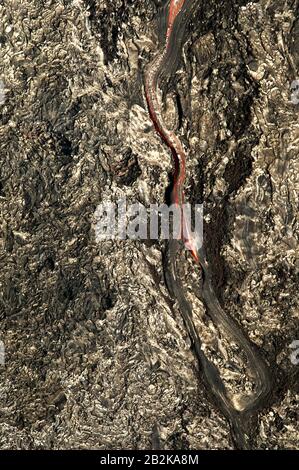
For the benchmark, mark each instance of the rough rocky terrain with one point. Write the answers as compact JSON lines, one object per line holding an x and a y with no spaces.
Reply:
{"x":96,"y":352}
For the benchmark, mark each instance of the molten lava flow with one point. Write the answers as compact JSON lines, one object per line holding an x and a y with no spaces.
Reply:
{"x":174,"y":9}
{"x":168,"y":136}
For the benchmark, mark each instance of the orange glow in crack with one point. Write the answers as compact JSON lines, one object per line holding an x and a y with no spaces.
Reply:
{"x":174,"y":9}
{"x":168,"y":136}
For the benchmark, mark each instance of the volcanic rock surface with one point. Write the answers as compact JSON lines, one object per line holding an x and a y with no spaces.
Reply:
{"x":96,"y":352}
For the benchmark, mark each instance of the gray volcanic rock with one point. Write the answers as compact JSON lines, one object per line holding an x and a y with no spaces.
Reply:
{"x":96,"y":351}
